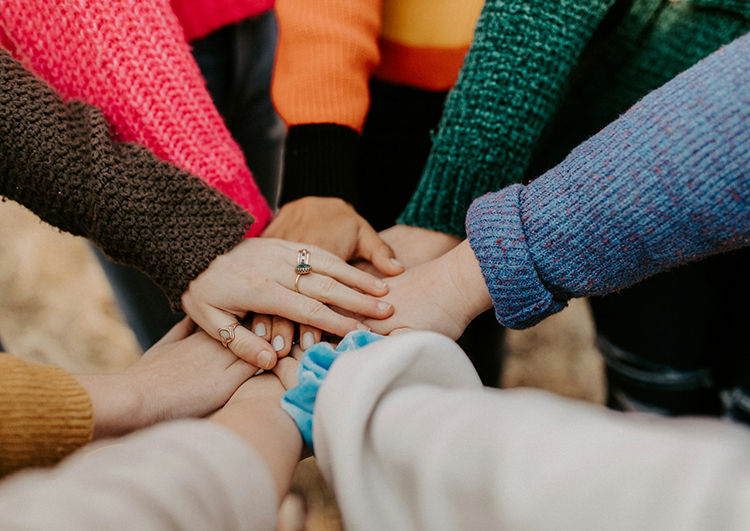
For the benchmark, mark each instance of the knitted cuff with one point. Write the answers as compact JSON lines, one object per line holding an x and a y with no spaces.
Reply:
{"x":170,"y":226}
{"x":496,"y":236}
{"x":299,"y":401}
{"x":320,"y":160}
{"x":46,"y":414}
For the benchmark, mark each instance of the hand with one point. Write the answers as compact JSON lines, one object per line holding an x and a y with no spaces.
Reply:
{"x":280,"y":332}
{"x":286,"y":369}
{"x":414,"y":245}
{"x":185,"y":374}
{"x":443,"y":295}
{"x":334,"y":225}
{"x":259,"y":276}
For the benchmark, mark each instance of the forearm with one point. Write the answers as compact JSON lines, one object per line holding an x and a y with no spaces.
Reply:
{"x":59,"y":160}
{"x":45,"y":414}
{"x":508,"y":88}
{"x":269,"y":430}
{"x":133,"y":63}
{"x":663,"y":185}
{"x":187,"y":475}
{"x":402,"y":434}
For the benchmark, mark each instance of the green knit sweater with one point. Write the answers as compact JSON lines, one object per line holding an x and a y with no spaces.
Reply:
{"x":539,"y":79}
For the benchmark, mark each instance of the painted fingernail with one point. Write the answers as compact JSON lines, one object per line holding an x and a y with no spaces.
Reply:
{"x":278,"y":343}
{"x":308,"y":340}
{"x":260,"y":329}
{"x":360,"y":326}
{"x":380,"y":284}
{"x":399,"y":264}
{"x":264,"y":359}
{"x":383,"y":305}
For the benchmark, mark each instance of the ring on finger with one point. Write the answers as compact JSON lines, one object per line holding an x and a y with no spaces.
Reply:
{"x":303,"y":263}
{"x":226,"y":334}
{"x":296,"y":283}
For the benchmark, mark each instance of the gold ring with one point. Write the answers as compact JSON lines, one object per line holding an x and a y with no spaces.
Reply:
{"x":296,"y":283}
{"x":226,"y":334}
{"x":303,"y":263}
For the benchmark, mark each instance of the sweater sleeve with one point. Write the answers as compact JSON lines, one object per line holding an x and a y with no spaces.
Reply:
{"x":187,"y":475}
{"x":58,"y":160}
{"x":408,"y":439}
{"x":326,"y":54}
{"x":511,"y":82}
{"x":665,"y":184}
{"x":45,"y":414}
{"x":131,"y":60}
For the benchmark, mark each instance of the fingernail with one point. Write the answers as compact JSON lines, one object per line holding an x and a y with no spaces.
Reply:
{"x":260,"y":329}
{"x":383,"y":305}
{"x":380,"y":284}
{"x":278,"y":343}
{"x":360,"y":326}
{"x":399,"y":264}
{"x":307,"y":340}
{"x":264,"y":359}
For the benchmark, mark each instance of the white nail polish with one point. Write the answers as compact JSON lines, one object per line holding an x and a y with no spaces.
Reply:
{"x":308,"y":340}
{"x":380,"y":284}
{"x":399,"y":264}
{"x":264,"y":359}
{"x":278,"y":343}
{"x":260,"y":329}
{"x":383,"y":305}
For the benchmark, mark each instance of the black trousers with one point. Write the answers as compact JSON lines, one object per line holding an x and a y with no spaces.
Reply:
{"x":678,"y":343}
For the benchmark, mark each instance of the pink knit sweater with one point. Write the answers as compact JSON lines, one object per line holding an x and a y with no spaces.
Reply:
{"x":130,"y":58}
{"x":201,"y":17}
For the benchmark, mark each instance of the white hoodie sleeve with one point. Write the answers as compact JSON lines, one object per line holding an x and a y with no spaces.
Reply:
{"x":408,"y":439}
{"x":184,"y":475}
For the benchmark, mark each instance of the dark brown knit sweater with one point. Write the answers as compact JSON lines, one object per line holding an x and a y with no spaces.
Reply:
{"x":59,"y":160}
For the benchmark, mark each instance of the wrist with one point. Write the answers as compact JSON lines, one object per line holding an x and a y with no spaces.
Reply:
{"x":463,"y":267}
{"x":255,"y":414}
{"x":118,"y":406}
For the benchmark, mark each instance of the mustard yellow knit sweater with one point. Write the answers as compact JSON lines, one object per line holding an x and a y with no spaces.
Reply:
{"x":45,"y":414}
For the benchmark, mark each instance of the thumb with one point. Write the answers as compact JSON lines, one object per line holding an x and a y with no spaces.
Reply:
{"x":372,"y":248}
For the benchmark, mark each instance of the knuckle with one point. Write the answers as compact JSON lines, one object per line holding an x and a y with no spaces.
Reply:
{"x":313,"y":308}
{"x":326,"y":261}
{"x":328,"y":286}
{"x":241,"y":344}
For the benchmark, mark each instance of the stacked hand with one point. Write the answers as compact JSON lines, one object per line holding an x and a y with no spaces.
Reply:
{"x":441,"y":290}
{"x":258,"y":276}
{"x":185,"y":374}
{"x":443,"y":295}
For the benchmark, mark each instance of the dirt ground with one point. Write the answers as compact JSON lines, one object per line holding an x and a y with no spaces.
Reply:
{"x":56,"y":307}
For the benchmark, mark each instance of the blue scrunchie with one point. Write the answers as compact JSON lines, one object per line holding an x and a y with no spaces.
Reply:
{"x":299,"y":401}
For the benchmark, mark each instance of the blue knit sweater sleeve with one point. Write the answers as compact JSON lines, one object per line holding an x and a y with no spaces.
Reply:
{"x":667,"y":183}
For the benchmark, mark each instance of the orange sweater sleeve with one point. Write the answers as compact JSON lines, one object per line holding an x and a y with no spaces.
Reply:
{"x":325,"y":56}
{"x":45,"y":414}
